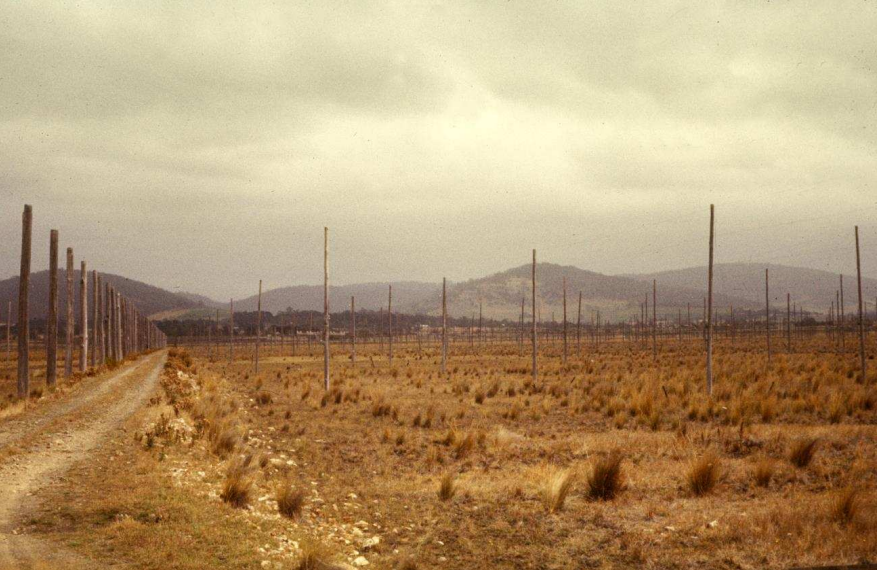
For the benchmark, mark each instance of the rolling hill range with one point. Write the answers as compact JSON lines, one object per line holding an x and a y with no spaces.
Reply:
{"x":407,"y":297}
{"x":148,"y":299}
{"x":811,"y":288}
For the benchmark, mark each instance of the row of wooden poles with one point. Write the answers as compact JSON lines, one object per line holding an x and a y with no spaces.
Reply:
{"x":117,"y":328}
{"x":708,"y":329}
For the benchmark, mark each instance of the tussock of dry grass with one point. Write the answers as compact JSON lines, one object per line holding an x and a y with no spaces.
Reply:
{"x":237,"y":486}
{"x":555,"y":489}
{"x":447,"y":487}
{"x":290,"y":501}
{"x":704,"y":474}
{"x":606,"y":479}
{"x":846,"y":505}
{"x":802,"y":452}
{"x":764,"y":471}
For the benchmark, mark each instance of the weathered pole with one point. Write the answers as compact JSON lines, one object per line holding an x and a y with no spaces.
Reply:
{"x":390,"y":325}
{"x":101,"y":329}
{"x":579,"y":327}
{"x":52,"y":322}
{"x":709,"y":326}
{"x":521,"y":335}
{"x":92,"y":350}
{"x":767,"y":310}
{"x":564,"y":322}
{"x":843,"y":342}
{"x":8,"y":334}
{"x":353,"y":329}
{"x":83,"y":318}
{"x":68,"y":348}
{"x":231,"y":331}
{"x":23,"y":295}
{"x":788,"y":322}
{"x":258,"y":325}
{"x":444,"y":325}
{"x":654,"y":318}
{"x":326,"y":308}
{"x":535,"y":369}
{"x":861,"y":316}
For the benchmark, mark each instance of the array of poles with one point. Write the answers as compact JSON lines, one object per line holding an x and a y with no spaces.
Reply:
{"x":650,"y":320}
{"x":114,"y":329}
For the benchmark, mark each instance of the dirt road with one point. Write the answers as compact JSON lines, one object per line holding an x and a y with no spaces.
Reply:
{"x":48,"y":441}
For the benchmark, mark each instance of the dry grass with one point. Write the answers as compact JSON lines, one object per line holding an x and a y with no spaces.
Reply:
{"x":555,"y":488}
{"x":763,"y":472}
{"x":447,"y":487}
{"x":802,"y":452}
{"x":237,"y":485}
{"x":704,"y":474}
{"x":290,"y":500}
{"x":606,"y":479}
{"x":846,"y":505}
{"x":315,"y":556}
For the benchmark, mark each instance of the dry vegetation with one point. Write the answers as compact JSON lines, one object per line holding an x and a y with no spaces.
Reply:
{"x":615,"y":460}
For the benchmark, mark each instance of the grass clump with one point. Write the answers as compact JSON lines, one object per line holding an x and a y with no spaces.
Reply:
{"x":238,"y":485}
{"x":556,"y":488}
{"x":447,"y":488}
{"x":290,"y":501}
{"x":606,"y":479}
{"x":846,"y":505}
{"x":802,"y":452}
{"x":763,"y":472}
{"x":704,"y":474}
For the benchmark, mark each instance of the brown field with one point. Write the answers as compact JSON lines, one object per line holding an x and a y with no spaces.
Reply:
{"x":614,"y":460}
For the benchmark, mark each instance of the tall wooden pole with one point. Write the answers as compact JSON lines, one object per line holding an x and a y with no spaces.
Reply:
{"x":861,"y":316}
{"x":52,"y":322}
{"x":353,"y":329}
{"x":709,"y":326}
{"x":564,"y":323}
{"x":767,"y":310}
{"x":68,"y":348}
{"x":654,"y":318}
{"x":8,"y":334}
{"x":83,"y":318}
{"x":535,"y":369}
{"x":444,"y":325}
{"x":789,"y":322}
{"x":23,"y":295}
{"x":843,"y":343}
{"x":258,"y":325}
{"x":521,"y":335}
{"x":326,"y":308}
{"x":579,"y":326}
{"x":390,"y":325}
{"x":101,"y":328}
{"x":231,"y":331}
{"x":92,"y":350}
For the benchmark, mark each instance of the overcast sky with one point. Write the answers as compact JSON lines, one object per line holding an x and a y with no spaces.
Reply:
{"x":204,"y":145}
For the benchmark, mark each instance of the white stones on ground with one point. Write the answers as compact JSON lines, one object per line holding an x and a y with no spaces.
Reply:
{"x":361,"y":561}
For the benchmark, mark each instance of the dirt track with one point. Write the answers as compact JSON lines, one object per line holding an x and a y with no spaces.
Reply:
{"x":49,"y":441}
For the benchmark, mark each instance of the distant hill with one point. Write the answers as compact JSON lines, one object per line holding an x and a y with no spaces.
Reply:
{"x":407,"y":295}
{"x":203,"y":300}
{"x":811,"y":288}
{"x":614,"y":297}
{"x":148,"y":299}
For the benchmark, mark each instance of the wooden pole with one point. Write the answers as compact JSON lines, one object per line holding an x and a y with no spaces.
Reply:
{"x":579,"y":326}
{"x":564,"y":323}
{"x":654,"y":318}
{"x":326,"y":308}
{"x":258,"y":325}
{"x":843,"y":343}
{"x":767,"y":310}
{"x":93,"y":350}
{"x":444,"y":325}
{"x":521,"y":335}
{"x":789,"y":322}
{"x":83,"y":318}
{"x":101,"y":349}
{"x":535,"y":369}
{"x":390,"y":325}
{"x":709,"y":333}
{"x":23,"y":295}
{"x":68,"y":348}
{"x":861,"y":316}
{"x":353,"y":330}
{"x":52,"y":322}
{"x":9,"y":334}
{"x":231,"y":331}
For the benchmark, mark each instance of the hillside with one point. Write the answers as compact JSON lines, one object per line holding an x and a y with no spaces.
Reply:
{"x":615,"y":297}
{"x":407,"y":295}
{"x":147,"y":298}
{"x":811,"y":288}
